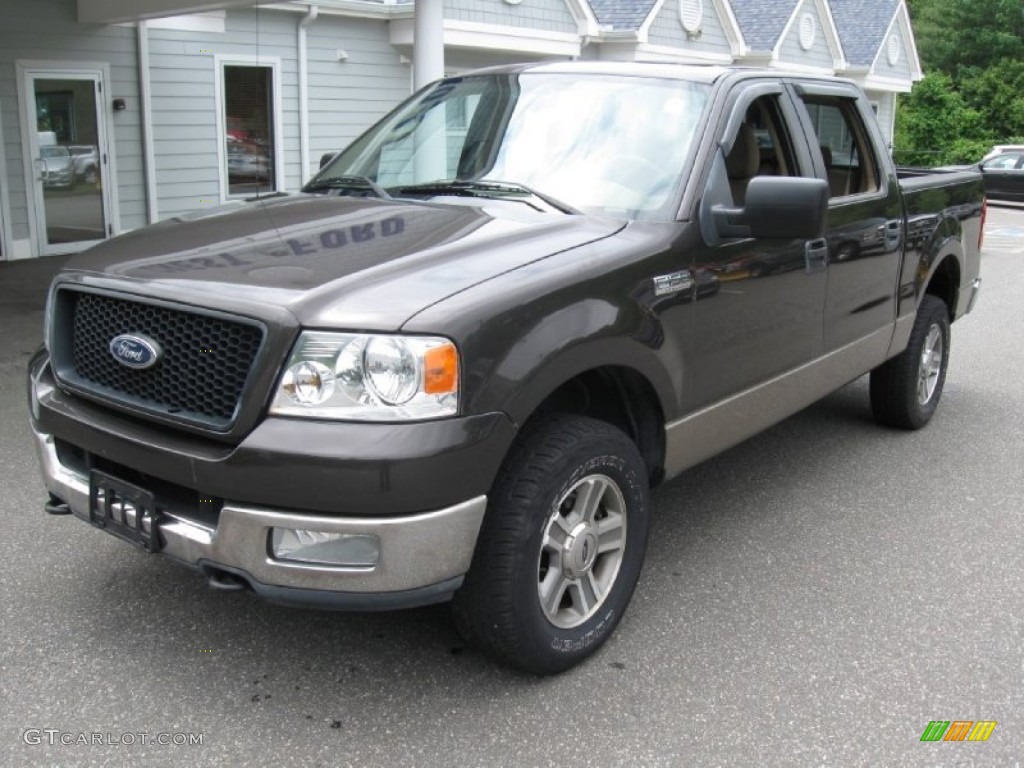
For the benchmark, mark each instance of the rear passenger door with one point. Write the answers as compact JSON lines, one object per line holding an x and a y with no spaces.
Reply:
{"x":865,"y":221}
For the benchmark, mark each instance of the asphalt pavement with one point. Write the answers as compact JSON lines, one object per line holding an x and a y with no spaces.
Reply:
{"x":813,"y":597}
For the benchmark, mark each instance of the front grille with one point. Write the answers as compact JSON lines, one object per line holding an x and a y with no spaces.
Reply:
{"x":205,"y":363}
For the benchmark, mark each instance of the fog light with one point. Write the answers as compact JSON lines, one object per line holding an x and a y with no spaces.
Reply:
{"x":323,"y":548}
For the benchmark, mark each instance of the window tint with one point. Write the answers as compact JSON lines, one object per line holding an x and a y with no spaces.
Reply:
{"x":842,"y":136}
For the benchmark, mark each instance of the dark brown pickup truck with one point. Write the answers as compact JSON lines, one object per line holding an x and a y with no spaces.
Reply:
{"x":456,"y":363}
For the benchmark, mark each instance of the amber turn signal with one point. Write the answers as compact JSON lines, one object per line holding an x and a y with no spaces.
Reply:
{"x":441,"y":370}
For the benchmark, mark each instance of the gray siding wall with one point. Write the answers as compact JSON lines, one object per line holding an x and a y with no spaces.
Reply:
{"x":886,"y":106}
{"x":344,"y":97}
{"x":819,"y":54}
{"x":184,"y":80}
{"x":667,"y":29}
{"x":547,"y":15}
{"x":47,"y":30}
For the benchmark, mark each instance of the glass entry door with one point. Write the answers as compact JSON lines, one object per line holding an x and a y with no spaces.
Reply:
{"x":66,"y":125}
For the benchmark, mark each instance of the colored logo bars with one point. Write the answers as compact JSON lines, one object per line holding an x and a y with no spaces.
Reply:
{"x":958,"y":730}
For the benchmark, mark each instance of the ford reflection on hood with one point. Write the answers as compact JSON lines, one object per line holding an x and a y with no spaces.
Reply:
{"x":400,"y":255}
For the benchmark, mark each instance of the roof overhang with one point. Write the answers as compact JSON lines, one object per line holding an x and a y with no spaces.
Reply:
{"x":118,"y":11}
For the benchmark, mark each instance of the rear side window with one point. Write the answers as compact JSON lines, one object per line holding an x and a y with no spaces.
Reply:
{"x":848,"y":155}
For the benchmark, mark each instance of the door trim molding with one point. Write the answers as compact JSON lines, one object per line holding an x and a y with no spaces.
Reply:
{"x":717,"y":427}
{"x":105,"y":128}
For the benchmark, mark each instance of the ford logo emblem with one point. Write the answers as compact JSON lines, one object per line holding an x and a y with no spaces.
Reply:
{"x":135,"y":351}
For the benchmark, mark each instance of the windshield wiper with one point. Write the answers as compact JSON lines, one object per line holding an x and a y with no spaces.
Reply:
{"x":505,"y":190}
{"x":348,"y":182}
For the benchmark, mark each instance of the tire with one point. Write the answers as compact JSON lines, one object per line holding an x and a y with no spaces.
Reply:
{"x":905,"y":391}
{"x":543,"y":591}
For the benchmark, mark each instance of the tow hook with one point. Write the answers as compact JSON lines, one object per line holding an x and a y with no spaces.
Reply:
{"x":55,"y":506}
{"x":223,"y":581}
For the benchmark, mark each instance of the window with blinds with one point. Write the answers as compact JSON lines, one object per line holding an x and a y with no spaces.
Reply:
{"x":249,"y":124}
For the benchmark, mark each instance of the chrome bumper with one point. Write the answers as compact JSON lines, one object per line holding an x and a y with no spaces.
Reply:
{"x":423,"y":557}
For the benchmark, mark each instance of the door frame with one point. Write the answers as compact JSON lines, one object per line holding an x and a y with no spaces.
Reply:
{"x":27,"y":70}
{"x":6,"y":239}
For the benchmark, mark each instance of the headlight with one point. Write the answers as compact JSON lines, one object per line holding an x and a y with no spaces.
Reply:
{"x":361,"y":377}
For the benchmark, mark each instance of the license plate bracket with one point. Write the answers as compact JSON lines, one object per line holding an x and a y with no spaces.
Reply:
{"x":125,"y":510}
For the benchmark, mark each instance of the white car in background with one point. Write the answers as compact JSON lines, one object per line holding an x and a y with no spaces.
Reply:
{"x":1000,"y":149}
{"x":87,"y":162}
{"x":57,"y":166}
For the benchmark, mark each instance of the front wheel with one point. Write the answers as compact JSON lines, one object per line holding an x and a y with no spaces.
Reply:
{"x":905,"y":391}
{"x":561,"y":546}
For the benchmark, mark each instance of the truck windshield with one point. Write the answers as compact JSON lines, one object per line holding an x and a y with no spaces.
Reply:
{"x":595,"y":144}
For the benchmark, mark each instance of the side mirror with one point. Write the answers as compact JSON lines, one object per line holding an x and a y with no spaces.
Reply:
{"x":327,"y":157}
{"x":779,"y":208}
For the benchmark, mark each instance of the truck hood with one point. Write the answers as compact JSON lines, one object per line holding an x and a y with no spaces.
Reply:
{"x":334,"y":261}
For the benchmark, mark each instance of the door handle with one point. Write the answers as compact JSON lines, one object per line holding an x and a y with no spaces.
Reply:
{"x":816,"y":255}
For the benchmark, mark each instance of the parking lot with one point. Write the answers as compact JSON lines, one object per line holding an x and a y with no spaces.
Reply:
{"x":813,"y":597}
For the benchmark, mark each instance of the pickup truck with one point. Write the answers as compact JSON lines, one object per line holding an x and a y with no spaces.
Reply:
{"x":455,"y":364}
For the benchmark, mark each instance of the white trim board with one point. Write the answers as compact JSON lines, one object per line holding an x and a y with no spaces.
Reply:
{"x":494,"y":37}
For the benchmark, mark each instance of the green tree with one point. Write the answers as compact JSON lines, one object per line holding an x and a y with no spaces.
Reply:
{"x":935,"y":126}
{"x":998,"y":95}
{"x":973,"y":93}
{"x":964,"y":37}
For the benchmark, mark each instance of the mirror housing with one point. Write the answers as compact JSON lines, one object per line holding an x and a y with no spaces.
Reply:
{"x":326,"y":157}
{"x":777,"y":208}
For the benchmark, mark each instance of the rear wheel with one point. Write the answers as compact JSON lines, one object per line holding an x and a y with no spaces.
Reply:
{"x":905,"y":391}
{"x":561,"y":547}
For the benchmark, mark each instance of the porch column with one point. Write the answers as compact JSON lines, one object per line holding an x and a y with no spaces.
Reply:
{"x":428,"y":66}
{"x":427,"y":42}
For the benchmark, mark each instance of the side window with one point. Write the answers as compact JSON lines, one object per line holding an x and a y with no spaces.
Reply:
{"x":762,"y":148}
{"x":1003,"y":162}
{"x":849,"y":159}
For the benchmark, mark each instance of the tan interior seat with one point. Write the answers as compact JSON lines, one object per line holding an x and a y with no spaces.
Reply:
{"x":742,"y":162}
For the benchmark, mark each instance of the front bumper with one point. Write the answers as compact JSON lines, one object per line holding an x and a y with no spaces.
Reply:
{"x":424,"y":550}
{"x":423,"y":557}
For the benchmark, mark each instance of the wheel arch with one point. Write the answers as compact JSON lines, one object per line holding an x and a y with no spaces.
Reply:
{"x":619,"y":395}
{"x":944,"y":281}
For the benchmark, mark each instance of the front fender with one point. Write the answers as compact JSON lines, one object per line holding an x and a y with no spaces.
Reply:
{"x":585,"y":336}
{"x":526,"y":333}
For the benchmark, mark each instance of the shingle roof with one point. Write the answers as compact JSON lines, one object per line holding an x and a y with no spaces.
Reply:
{"x":621,"y":14}
{"x":862,"y":26}
{"x":762,"y":21}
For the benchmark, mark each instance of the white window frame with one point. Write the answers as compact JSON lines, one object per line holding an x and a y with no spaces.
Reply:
{"x":273,"y":63}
